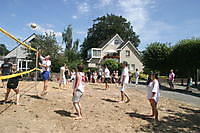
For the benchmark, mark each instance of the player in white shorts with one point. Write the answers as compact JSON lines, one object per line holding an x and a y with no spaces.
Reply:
{"x":124,"y":82}
{"x":62,"y":77}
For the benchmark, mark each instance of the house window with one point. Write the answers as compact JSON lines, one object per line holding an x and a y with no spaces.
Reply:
{"x":89,"y":53}
{"x":116,"y":42}
{"x":96,"y":53}
{"x":23,"y":65}
{"x":127,"y":53}
{"x":132,"y":67}
{"x":20,"y":65}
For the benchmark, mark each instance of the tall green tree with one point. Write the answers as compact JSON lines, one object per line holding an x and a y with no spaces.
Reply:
{"x":155,"y":57}
{"x":3,"y":50}
{"x":185,"y":57}
{"x":48,"y":45}
{"x":72,"y":54}
{"x":76,"y":45}
{"x":106,"y":27}
{"x":67,"y":37}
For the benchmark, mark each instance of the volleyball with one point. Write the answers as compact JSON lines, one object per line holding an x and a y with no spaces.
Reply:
{"x":33,"y":25}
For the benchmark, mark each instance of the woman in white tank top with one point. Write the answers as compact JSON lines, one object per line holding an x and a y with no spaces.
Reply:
{"x":81,"y":83}
{"x":153,"y":94}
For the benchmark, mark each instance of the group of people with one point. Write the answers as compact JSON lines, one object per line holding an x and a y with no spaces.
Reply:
{"x":8,"y":68}
{"x":105,"y":76}
{"x":79,"y":80}
{"x":65,"y":76}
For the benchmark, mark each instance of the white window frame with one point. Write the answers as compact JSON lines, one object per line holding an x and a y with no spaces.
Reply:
{"x":128,"y":53}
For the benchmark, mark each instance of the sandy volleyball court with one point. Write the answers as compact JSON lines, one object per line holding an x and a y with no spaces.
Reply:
{"x":54,"y":112}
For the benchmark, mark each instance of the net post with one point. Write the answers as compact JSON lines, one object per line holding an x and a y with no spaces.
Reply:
{"x":36,"y":65}
{"x":197,"y":77}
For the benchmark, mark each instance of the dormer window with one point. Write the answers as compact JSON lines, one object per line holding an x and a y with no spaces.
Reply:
{"x":116,"y":42}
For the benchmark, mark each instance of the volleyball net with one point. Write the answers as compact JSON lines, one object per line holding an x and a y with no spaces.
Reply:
{"x":26,"y":46}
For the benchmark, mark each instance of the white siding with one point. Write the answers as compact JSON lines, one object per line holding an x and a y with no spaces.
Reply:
{"x":132,"y":59}
{"x":18,"y":52}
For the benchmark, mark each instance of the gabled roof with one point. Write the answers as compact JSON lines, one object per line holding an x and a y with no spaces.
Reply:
{"x":26,"y":40}
{"x":138,"y":55}
{"x":122,"y":45}
{"x":107,"y":41}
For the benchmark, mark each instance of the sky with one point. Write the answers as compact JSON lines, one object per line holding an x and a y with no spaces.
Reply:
{"x":166,"y":21}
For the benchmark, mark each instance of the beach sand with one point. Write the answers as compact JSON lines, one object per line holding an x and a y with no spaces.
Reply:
{"x":54,"y":113}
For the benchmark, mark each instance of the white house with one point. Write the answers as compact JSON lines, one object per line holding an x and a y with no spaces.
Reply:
{"x":18,"y":55}
{"x":116,"y":49}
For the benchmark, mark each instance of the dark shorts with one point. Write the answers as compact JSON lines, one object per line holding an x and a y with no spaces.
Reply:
{"x":170,"y":82}
{"x":107,"y":80}
{"x":99,"y":76}
{"x":45,"y":75}
{"x":12,"y":85}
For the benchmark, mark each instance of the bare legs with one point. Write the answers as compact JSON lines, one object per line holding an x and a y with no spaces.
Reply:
{"x":136,"y":81}
{"x":60,"y":86}
{"x":107,"y":86}
{"x":17,"y":95}
{"x":44,"y":92}
{"x":77,"y":106}
{"x":171,"y":85}
{"x":122,"y":97}
{"x":154,"y":109}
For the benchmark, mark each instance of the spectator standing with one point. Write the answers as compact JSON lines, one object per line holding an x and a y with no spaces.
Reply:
{"x":124,"y":82}
{"x":95,"y":77}
{"x":137,"y":75}
{"x":154,"y":94}
{"x":189,"y":83}
{"x":67,"y":75}
{"x":89,"y":75}
{"x":100,"y":73}
{"x":107,"y":77}
{"x":116,"y":77}
{"x":170,"y":79}
{"x":73,"y":75}
{"x":63,"y":79}
{"x":113,"y":77}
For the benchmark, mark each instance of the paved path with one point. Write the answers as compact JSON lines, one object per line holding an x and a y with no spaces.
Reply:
{"x":179,"y":93}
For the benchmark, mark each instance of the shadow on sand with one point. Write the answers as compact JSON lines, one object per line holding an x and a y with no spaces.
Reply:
{"x":109,"y":100}
{"x":7,"y":102}
{"x":36,"y":97}
{"x":176,"y":122}
{"x":63,"y":113}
